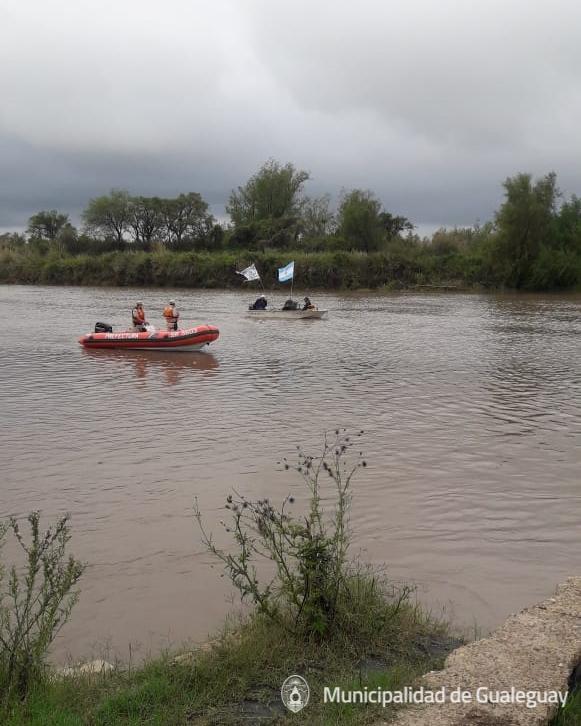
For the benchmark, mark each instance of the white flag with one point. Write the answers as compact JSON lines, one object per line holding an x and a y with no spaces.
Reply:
{"x":250,"y":273}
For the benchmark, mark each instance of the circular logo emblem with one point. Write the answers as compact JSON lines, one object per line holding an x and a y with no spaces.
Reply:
{"x":295,"y":693}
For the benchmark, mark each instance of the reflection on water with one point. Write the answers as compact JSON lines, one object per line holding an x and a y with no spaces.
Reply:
{"x":174,"y":365}
{"x":471,"y":406}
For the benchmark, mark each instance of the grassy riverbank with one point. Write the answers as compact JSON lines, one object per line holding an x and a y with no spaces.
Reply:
{"x":316,"y":613}
{"x":238,"y":680}
{"x":402,"y":266}
{"x":533,"y":242}
{"x":397,"y":268}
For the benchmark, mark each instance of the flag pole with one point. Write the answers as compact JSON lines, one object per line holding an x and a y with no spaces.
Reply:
{"x":259,"y":278}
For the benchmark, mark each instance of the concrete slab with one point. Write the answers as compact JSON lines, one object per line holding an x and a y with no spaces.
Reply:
{"x":534,"y":651}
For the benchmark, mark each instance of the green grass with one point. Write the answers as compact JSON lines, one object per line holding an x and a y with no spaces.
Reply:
{"x":570,"y":714}
{"x":398,"y":268}
{"x":239,"y":679}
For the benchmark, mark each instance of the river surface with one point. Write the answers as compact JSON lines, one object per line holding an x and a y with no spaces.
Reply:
{"x":471,"y":407}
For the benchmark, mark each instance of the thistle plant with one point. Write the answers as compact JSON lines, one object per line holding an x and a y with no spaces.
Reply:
{"x":36,"y":600}
{"x":308,"y":551}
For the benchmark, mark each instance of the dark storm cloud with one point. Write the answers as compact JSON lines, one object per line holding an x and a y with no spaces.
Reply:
{"x":429,"y":104}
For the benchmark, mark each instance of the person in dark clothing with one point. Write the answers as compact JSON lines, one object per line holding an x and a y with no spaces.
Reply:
{"x":260,"y":303}
{"x":290,"y":305}
{"x":308,"y":305}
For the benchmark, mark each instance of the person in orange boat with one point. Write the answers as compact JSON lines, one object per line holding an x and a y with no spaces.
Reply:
{"x":138,"y":317}
{"x":171,"y":315}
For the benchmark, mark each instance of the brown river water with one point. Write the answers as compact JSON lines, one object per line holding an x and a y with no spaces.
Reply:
{"x":471,"y":406}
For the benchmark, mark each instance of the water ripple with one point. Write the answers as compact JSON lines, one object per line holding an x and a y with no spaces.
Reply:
{"x":471,"y":406}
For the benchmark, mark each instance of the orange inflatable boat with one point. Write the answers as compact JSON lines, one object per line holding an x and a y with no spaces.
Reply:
{"x":187,"y":339}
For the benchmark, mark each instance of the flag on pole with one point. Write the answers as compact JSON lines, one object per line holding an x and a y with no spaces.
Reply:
{"x":250,"y":273}
{"x":286,"y":273}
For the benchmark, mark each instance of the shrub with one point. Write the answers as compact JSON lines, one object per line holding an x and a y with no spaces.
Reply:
{"x":555,"y":268}
{"x":315,"y":592}
{"x":35,"y":602}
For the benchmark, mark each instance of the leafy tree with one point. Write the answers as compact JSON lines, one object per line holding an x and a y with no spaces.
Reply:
{"x":186,"y":216}
{"x":68,"y":240}
{"x":12,"y":241}
{"x":524,"y":222}
{"x":268,"y":233}
{"x":109,"y":215}
{"x":458,"y":239}
{"x":555,"y":268}
{"x":317,"y":219}
{"x":568,"y":224}
{"x":46,"y":224}
{"x":215,"y":236}
{"x":242,"y":237}
{"x":394,"y":225}
{"x":272,"y":193}
{"x":146,"y":217}
{"x":360,"y":219}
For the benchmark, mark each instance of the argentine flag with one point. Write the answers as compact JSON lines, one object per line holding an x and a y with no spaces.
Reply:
{"x":286,"y":273}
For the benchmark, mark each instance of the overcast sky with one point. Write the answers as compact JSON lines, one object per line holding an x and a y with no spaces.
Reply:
{"x":429,"y":103}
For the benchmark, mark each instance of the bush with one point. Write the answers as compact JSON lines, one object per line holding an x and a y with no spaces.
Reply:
{"x":315,"y":592}
{"x":555,"y":268}
{"x":35,"y":603}
{"x":401,"y":263}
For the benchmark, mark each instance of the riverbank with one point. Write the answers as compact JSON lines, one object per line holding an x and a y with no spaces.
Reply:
{"x":399,"y":268}
{"x":237,"y":678}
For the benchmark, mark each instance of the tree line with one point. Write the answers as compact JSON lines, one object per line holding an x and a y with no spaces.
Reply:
{"x":117,"y":221}
{"x":269,"y":211}
{"x":533,"y":240}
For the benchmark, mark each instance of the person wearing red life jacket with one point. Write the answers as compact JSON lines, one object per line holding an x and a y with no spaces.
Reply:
{"x":138,"y":317}
{"x":171,"y":315}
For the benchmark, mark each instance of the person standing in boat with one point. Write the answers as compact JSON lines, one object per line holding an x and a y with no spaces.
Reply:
{"x":171,"y":315}
{"x":260,"y":303}
{"x":308,"y":305}
{"x":138,"y":316}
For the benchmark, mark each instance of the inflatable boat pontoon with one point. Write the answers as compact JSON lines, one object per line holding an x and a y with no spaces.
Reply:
{"x":188,"y":339}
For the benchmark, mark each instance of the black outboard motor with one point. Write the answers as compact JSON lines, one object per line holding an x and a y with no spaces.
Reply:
{"x":103,"y":328}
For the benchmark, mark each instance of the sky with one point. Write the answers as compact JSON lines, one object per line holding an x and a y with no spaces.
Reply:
{"x":431,"y":104}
